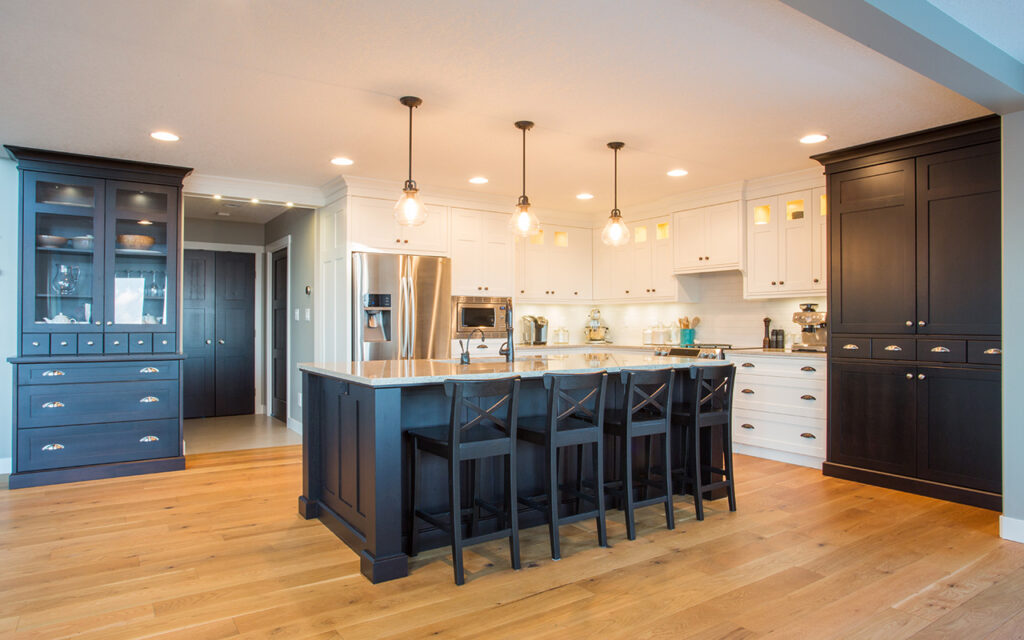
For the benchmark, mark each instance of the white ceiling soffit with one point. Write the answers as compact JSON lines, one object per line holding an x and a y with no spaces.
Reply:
{"x":271,"y":91}
{"x":1001,"y":22}
{"x":237,"y":210}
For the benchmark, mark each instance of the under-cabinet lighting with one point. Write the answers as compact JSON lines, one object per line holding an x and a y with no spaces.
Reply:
{"x":584,"y":196}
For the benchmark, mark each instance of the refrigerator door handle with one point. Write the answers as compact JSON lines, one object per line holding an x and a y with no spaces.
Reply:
{"x":412,"y":318}
{"x":406,"y":317}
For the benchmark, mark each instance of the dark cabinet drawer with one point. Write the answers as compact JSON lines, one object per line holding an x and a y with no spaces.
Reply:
{"x":851,"y":347}
{"x":164,"y":343}
{"x":63,"y":344}
{"x":893,"y":348}
{"x":90,"y":343}
{"x":942,"y":350}
{"x":984,"y":352}
{"x":56,"y":447}
{"x":140,"y":343}
{"x":35,"y":344}
{"x":63,"y":373}
{"x":58,"y":405}
{"x":115,"y":343}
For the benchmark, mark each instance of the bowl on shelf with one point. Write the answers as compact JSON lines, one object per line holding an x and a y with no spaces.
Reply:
{"x":82,"y":242}
{"x":131,"y":241}
{"x":51,"y":242}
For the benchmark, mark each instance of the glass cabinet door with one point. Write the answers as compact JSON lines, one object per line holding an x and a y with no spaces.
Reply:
{"x":141,"y":263}
{"x":63,"y":253}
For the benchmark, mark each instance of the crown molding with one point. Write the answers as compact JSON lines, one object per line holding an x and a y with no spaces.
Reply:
{"x":785,"y":182}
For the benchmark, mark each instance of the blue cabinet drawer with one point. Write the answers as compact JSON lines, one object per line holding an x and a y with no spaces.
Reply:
{"x":140,"y":343}
{"x":35,"y":344}
{"x":89,"y":343}
{"x":63,"y":344}
{"x":70,"y":372}
{"x":53,"y":405}
{"x":56,"y":447}
{"x":115,"y":343}
{"x":164,"y":343}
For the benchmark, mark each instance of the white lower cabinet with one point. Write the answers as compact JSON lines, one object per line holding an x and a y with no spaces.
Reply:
{"x":373,"y":227}
{"x":780,"y":407}
{"x":481,"y":254}
{"x":555,"y":265}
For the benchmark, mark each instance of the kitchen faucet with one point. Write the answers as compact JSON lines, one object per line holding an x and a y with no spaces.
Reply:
{"x":508,"y":349}
{"x":464,"y":356}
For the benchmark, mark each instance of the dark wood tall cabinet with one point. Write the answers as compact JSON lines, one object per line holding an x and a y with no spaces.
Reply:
{"x":915,"y":305}
{"x":97,"y":375}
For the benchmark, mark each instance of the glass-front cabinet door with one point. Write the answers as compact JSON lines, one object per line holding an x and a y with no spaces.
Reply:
{"x":63,"y":253}
{"x":141,"y":249}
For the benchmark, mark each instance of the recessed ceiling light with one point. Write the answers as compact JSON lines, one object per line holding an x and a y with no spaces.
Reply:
{"x":223,"y":214}
{"x":675,"y":173}
{"x":342,"y":161}
{"x":255,"y":201}
{"x":216,"y":196}
{"x":478,"y":180}
{"x":164,"y":136}
{"x":814,"y":138}
{"x":584,"y":196}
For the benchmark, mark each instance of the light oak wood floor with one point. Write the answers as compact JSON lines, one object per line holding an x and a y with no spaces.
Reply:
{"x":218,"y":551}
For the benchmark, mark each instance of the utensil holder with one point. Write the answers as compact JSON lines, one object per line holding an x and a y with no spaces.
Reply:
{"x":687,"y":336}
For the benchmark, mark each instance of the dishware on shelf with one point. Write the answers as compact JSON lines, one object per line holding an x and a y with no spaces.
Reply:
{"x":51,"y":242}
{"x":149,"y":319}
{"x":87,"y":311}
{"x":60,"y":318}
{"x":135,"y":242}
{"x":82,"y":243}
{"x":65,"y":283}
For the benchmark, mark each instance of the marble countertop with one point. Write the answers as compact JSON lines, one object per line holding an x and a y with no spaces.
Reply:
{"x":392,"y":373}
{"x":758,"y":351}
{"x":653,"y":347}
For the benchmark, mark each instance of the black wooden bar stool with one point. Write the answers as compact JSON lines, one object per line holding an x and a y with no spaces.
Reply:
{"x":575,"y":417}
{"x":646,"y":412}
{"x":707,"y":405}
{"x":482,"y":425}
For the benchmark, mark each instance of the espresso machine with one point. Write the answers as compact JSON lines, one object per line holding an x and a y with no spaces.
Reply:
{"x":813,"y":325}
{"x":535,"y":330}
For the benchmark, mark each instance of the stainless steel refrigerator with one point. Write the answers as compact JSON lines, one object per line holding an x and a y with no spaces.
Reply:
{"x":401,"y":307}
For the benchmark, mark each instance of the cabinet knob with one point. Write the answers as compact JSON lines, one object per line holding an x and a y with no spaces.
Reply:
{"x":487,"y":288}
{"x":707,"y":257}
{"x":575,"y":293}
{"x":522,"y":291}
{"x":773,"y":283}
{"x":809,"y":436}
{"x":910,"y":323}
{"x":110,"y":322}
{"x":807,"y":396}
{"x":746,"y":426}
{"x":209,"y":341}
{"x":808,"y":368}
{"x":647,"y":290}
{"x":117,"y":343}
{"x":63,"y":343}
{"x":781,"y":282}
{"x":163,"y":342}
{"x":815,"y":281}
{"x":627,"y":290}
{"x":56,"y":446}
{"x":98,"y":323}
{"x":920,"y":376}
{"x":35,"y":343}
{"x":220,"y":341}
{"x":910,"y":376}
{"x":149,"y":439}
{"x":479,"y":288}
{"x":398,"y":240}
{"x":921,"y":323}
{"x":90,"y":342}
{"x":141,"y":342}
{"x":701,"y":258}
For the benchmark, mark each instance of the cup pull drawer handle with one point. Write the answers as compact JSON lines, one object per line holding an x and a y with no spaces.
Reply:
{"x":746,"y":391}
{"x":149,"y":370}
{"x":892,"y":347}
{"x":52,"y":372}
{"x":748,"y":364}
{"x":149,"y":439}
{"x":56,"y":446}
{"x":851,"y":347}
{"x":940,"y":349}
{"x":807,"y":396}
{"x":809,"y":436}
{"x":808,"y":369}
{"x":149,"y":399}
{"x":993,"y":352}
{"x":746,"y":426}
{"x":53,"y":404}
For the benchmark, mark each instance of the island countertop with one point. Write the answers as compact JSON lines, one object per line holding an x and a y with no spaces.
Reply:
{"x":395,"y":373}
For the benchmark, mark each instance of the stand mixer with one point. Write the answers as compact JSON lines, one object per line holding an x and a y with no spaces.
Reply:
{"x":813,"y":325}
{"x":594,"y":330}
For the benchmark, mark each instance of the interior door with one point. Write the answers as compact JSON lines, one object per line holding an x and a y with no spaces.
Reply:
{"x":235,"y":331}
{"x":279,"y":335}
{"x":197,"y":290}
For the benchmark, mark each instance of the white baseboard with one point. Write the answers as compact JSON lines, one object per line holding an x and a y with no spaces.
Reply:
{"x":295,"y":425}
{"x":778,"y":456}
{"x":5,"y":465}
{"x":1011,"y":528}
{"x":260,"y":410}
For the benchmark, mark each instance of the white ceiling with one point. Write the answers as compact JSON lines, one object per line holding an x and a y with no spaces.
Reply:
{"x":1001,"y":22}
{"x":238,"y":211}
{"x":272,"y":90}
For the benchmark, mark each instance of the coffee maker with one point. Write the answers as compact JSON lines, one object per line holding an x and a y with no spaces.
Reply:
{"x":813,"y":324}
{"x":535,"y":330}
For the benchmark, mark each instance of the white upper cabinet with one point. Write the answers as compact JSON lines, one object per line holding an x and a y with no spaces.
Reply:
{"x":374,"y":228}
{"x":708,"y":239}
{"x":640,"y":270}
{"x":784,"y":236}
{"x":819,"y":240}
{"x":481,"y":254}
{"x":555,"y":265}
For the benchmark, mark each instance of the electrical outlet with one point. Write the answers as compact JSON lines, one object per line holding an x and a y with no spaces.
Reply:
{"x":297,"y":317}
{"x":309,"y":314}
{"x":300,"y":399}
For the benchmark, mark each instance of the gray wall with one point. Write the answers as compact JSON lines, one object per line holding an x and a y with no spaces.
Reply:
{"x":1013,"y":312}
{"x":300,"y":224}
{"x":9,"y":296}
{"x":223,"y":231}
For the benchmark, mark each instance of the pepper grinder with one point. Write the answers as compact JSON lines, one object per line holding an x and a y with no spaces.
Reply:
{"x":767,"y":340}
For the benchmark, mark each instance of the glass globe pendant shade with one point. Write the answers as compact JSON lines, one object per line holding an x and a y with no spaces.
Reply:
{"x":524,"y":223}
{"x":409,"y":210}
{"x":615,"y":232}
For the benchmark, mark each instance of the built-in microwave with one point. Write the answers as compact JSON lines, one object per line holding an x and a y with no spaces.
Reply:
{"x":470,"y":313}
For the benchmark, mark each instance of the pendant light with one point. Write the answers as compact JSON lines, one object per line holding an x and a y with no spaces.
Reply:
{"x":409,"y":210}
{"x":615,"y":232}
{"x":524,"y":223}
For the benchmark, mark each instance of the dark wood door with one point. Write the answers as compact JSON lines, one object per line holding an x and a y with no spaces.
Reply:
{"x":198,"y":292}
{"x":235,"y":333}
{"x":279,"y":335}
{"x":960,"y":427}
{"x":958,"y":241}
{"x":873,"y":249}
{"x":873,"y":416}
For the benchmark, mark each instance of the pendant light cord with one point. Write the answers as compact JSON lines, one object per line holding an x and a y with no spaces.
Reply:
{"x":615,"y":181}
{"x":410,"y":142}
{"x":524,"y":162}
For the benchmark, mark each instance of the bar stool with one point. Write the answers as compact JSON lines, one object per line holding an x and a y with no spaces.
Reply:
{"x":575,"y":417}
{"x":708,"y":406}
{"x":646,"y":412}
{"x":482,"y":425}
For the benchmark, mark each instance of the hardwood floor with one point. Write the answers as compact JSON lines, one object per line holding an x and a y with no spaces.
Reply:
{"x":218,"y":551}
{"x":231,"y":433}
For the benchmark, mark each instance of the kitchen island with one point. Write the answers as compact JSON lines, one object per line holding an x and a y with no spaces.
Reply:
{"x":355,"y":471}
